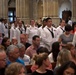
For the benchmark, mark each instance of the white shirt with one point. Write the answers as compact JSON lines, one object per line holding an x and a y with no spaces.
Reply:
{"x":17,"y":33}
{"x":41,"y":34}
{"x":26,"y":59}
{"x":50,"y":56}
{"x":31,"y":31}
{"x":70,"y":22}
{"x":47,"y":38}
{"x":12,"y":32}
{"x":6,"y":29}
{"x":59,"y":31}
{"x":2,"y":28}
{"x":74,"y":39}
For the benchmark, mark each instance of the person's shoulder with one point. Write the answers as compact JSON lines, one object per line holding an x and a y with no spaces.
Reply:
{"x":58,"y":27}
{"x":19,"y":60}
{"x":26,"y":56}
{"x":35,"y":73}
{"x":28,"y":44}
{"x":54,"y":28}
{"x":29,"y":48}
{"x":50,"y":55}
{"x":49,"y":72}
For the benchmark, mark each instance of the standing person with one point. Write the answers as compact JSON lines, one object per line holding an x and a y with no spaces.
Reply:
{"x":2,"y":61}
{"x":2,"y":29}
{"x":61,"y":29}
{"x":49,"y":34}
{"x":31,"y":31}
{"x":6,"y":28}
{"x":19,"y":30}
{"x":42,"y":61}
{"x":15,"y":69}
{"x":41,"y":31}
{"x":66,"y":37}
{"x":13,"y":30}
{"x":74,"y":40}
{"x":70,"y":21}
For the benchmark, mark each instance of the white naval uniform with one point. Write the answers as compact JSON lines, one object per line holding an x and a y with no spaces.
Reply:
{"x":12,"y":32}
{"x":2,"y":28}
{"x":74,"y":39}
{"x":31,"y":31}
{"x":6,"y":30}
{"x":60,"y":30}
{"x":47,"y":39}
{"x":17,"y":35}
{"x":41,"y":34}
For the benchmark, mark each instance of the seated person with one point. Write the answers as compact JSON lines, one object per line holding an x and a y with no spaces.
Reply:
{"x":13,"y":55}
{"x":15,"y":69}
{"x":40,"y":51}
{"x":68,"y":68}
{"x":43,"y":62}
{"x":23,"y":56}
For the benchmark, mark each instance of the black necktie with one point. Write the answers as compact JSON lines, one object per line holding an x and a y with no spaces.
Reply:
{"x":62,"y":29}
{"x":20,"y":30}
{"x":51,"y":32}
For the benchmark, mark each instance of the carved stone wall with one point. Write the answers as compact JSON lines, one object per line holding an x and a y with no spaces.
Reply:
{"x":22,"y":10}
{"x":34,"y":9}
{"x":3,"y":9}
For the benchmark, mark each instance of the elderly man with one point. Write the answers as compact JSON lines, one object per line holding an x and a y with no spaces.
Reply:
{"x":13,"y":55}
{"x":2,"y":61}
{"x":23,"y":56}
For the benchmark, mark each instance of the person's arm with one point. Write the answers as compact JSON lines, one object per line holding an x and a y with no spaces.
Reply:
{"x":60,"y":40}
{"x":74,"y":40}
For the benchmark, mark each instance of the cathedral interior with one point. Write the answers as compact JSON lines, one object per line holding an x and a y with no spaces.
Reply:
{"x":36,"y":9}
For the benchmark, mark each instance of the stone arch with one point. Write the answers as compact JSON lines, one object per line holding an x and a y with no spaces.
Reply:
{"x":64,"y":5}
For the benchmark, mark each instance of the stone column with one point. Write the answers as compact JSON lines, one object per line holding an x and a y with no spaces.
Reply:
{"x":31,"y":9}
{"x":74,"y":9}
{"x":4,"y":9}
{"x":35,"y":9}
{"x":50,"y":8}
{"x":22,"y":10}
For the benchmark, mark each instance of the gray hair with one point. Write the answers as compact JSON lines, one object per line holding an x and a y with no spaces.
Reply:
{"x":20,"y":45}
{"x":11,"y":49}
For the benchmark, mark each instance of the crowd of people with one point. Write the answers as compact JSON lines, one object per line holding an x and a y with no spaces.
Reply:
{"x":38,"y":46}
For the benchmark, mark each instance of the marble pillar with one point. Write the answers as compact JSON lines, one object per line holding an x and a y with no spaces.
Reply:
{"x":22,"y":10}
{"x":74,"y":9}
{"x":35,"y":9}
{"x":50,"y":8}
{"x":4,"y":9}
